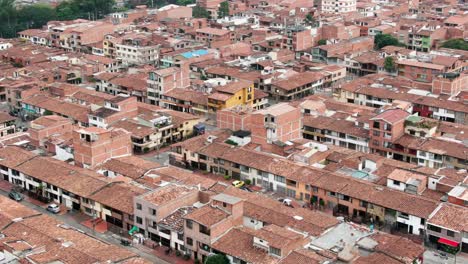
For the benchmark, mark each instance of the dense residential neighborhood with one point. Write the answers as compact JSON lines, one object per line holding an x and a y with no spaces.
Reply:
{"x":234,"y":132}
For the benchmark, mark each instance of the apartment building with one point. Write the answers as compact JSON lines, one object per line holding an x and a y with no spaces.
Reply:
{"x":135,"y":49}
{"x":164,"y":80}
{"x":7,"y":124}
{"x":338,"y":6}
{"x":233,"y":94}
{"x":94,"y":146}
{"x":152,"y":208}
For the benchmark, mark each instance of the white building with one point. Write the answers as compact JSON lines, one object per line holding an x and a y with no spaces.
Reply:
{"x":338,"y":6}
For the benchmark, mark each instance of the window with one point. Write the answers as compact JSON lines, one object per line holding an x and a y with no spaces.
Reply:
{"x":180,"y":236}
{"x":280,"y":179}
{"x":434,"y":228}
{"x":315,"y":189}
{"x":376,"y":125}
{"x":189,"y":224}
{"x":376,"y":133}
{"x":275,"y":251}
{"x":189,"y":241}
{"x":138,"y":206}
{"x":152,"y":211}
{"x":204,"y":230}
{"x":450,"y":233}
{"x":139,"y":220}
{"x":396,"y":182}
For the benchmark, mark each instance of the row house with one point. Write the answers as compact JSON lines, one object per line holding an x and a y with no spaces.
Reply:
{"x":378,"y":90}
{"x":186,"y":100}
{"x":335,"y":53}
{"x":76,"y":188}
{"x":341,"y":133}
{"x":447,"y":227}
{"x":123,"y":84}
{"x":342,"y":194}
{"x":298,"y":85}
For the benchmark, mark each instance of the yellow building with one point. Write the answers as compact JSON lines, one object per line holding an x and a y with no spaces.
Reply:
{"x":231,"y":95}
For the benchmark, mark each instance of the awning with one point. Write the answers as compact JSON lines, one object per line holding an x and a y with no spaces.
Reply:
{"x":448,"y":242}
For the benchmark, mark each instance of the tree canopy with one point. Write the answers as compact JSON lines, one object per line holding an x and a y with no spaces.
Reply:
{"x":217,"y":259}
{"x":223,"y":10}
{"x":200,"y":12}
{"x":382,"y":40}
{"x":458,"y":44}
{"x":322,"y":42}
{"x":13,"y":20}
{"x":389,"y":64}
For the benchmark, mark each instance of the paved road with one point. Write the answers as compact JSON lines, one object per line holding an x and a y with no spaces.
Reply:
{"x":432,"y":257}
{"x":107,"y":237}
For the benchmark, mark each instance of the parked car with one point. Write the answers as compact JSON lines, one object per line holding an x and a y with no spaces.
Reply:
{"x":15,"y":196}
{"x":53,"y":208}
{"x":238,"y":184}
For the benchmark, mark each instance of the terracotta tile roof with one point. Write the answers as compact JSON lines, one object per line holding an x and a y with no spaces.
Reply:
{"x":62,"y":244}
{"x":5,"y":117}
{"x":207,"y":215}
{"x":334,"y":124}
{"x":118,"y":196}
{"x":188,"y":95}
{"x":12,"y":156}
{"x":10,"y":210}
{"x":76,"y":180}
{"x":451,"y":217}
{"x":304,"y":256}
{"x":130,"y":166}
{"x":238,"y":242}
{"x":397,"y":247}
{"x":189,"y":178}
{"x":298,"y":80}
{"x":392,"y":115}
{"x":376,"y":258}
{"x":74,"y":111}
{"x":233,"y":87}
{"x":175,"y":221}
{"x":278,"y":237}
{"x":166,"y":194}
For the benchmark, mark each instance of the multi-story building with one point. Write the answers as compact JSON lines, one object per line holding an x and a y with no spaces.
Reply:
{"x":164,"y":80}
{"x":338,"y":6}
{"x":93,"y":146}
{"x":447,"y":227}
{"x":135,"y":49}
{"x":237,"y":93}
{"x":7,"y":124}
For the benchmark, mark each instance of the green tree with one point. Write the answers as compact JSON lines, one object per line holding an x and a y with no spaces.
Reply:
{"x":459,"y":44}
{"x":7,"y":19}
{"x":184,"y":2}
{"x":382,"y":40}
{"x":389,"y":64}
{"x":217,"y":259}
{"x":35,"y":16}
{"x":322,"y":42}
{"x":223,"y":9}
{"x":200,"y":12}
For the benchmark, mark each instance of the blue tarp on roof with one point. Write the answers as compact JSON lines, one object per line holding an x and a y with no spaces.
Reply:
{"x":193,"y":53}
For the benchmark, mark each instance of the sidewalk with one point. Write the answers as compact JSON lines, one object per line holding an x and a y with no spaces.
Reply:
{"x":160,"y":252}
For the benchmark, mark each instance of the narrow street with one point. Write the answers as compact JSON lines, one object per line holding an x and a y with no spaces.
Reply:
{"x":108,"y":237}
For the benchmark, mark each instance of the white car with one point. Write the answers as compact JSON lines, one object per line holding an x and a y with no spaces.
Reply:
{"x":53,"y":208}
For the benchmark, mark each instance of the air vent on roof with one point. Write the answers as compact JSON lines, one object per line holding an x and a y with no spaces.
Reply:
{"x":298,"y":218}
